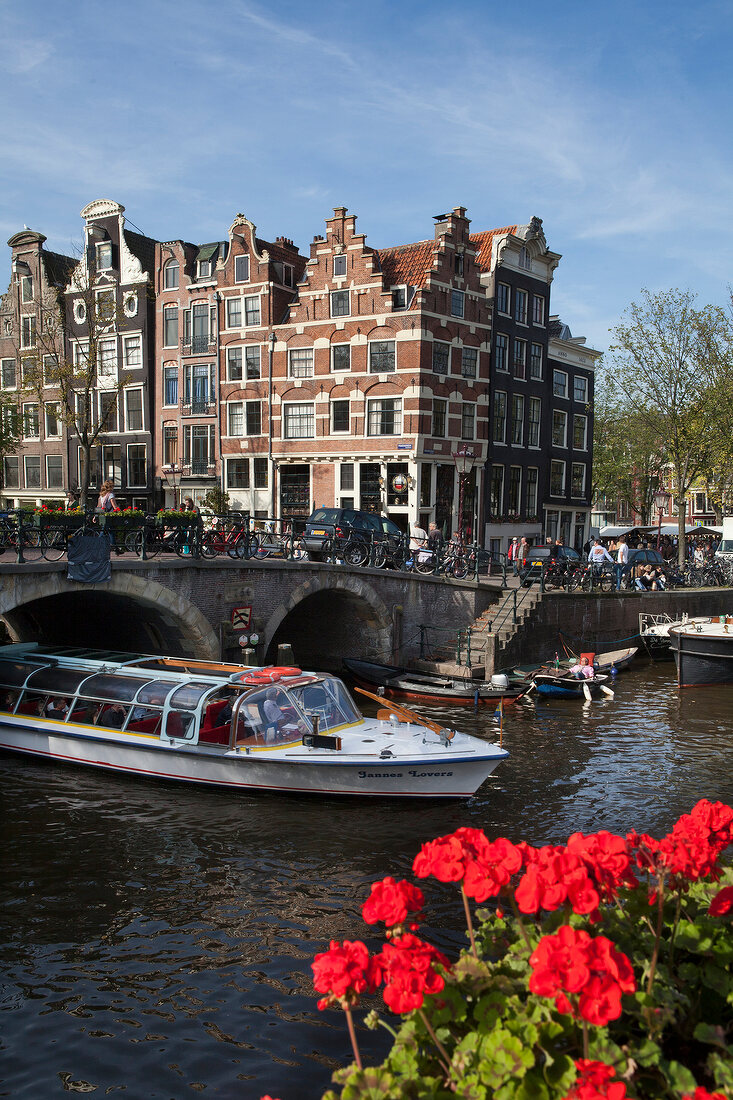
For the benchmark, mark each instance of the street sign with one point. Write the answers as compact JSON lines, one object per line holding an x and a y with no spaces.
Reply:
{"x":244,"y":640}
{"x":241,"y":617}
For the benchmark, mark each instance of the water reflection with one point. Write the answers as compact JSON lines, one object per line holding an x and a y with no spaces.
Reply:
{"x":157,"y":939}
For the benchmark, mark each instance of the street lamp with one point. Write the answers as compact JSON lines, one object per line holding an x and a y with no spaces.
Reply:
{"x":172,"y":474}
{"x":464,"y":458}
{"x":660,"y":501}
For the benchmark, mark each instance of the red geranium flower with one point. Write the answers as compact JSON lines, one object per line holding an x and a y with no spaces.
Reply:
{"x":343,"y":972}
{"x":572,"y":964}
{"x":555,"y":875}
{"x":467,"y":855}
{"x":702,"y":1094}
{"x":594,"y":1082}
{"x":407,"y":966}
{"x":722,"y":903}
{"x":391,"y":902}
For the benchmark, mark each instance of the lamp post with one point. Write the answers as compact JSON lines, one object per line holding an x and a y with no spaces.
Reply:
{"x":660,"y":500}
{"x":464,"y":458}
{"x":172,"y":474}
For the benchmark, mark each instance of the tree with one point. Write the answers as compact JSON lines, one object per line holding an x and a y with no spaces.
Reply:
{"x":672,"y":361}
{"x":10,"y":431}
{"x":74,"y":353}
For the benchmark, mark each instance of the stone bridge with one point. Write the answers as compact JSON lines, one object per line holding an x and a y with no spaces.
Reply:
{"x":185,"y":608}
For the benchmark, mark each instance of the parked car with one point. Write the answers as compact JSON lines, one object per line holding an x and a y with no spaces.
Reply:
{"x":349,"y":531}
{"x":540,"y":557}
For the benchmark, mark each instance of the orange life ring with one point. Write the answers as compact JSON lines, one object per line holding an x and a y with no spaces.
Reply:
{"x":260,"y":676}
{"x":287,"y":671}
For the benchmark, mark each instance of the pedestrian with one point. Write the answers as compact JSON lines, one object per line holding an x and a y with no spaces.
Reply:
{"x":622,"y":561}
{"x":513,"y":554}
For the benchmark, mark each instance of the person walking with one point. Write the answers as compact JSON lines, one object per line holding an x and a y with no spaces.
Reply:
{"x":513,"y":554}
{"x":622,"y":561}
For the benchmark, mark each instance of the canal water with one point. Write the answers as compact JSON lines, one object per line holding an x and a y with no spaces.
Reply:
{"x":157,"y":941}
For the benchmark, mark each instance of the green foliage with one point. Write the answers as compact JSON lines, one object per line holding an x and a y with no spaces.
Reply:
{"x":504,"y":1043}
{"x":217,"y":501}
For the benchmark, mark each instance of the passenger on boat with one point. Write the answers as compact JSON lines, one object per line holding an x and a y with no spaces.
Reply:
{"x":9,"y":700}
{"x":57,"y":708}
{"x":112,"y":715}
{"x":583,"y":670}
{"x":279,"y":714}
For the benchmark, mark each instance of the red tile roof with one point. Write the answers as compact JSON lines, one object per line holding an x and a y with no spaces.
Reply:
{"x":484,"y":243}
{"x":407,"y":263}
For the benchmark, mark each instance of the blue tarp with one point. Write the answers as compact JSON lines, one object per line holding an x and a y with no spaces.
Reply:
{"x":89,"y":558}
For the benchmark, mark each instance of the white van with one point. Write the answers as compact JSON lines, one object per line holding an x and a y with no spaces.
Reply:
{"x":725,"y":550}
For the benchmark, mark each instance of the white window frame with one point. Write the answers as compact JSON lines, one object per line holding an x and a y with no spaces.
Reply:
{"x":580,"y":382}
{"x":57,"y":417}
{"x":442,"y":349}
{"x":347,"y":429}
{"x":309,"y":415}
{"x":559,"y":420}
{"x":235,"y":363}
{"x":536,"y":375}
{"x":136,"y":484}
{"x":538,"y":309}
{"x":554,"y":464}
{"x":577,"y":418}
{"x":168,"y":369}
{"x":535,"y":403}
{"x":107,"y":357}
{"x":235,"y":419}
{"x":338,"y":296}
{"x":28,"y":330}
{"x":521,"y":305}
{"x":246,"y":465}
{"x":472,"y":371}
{"x":250,"y":374}
{"x":519,"y":359}
{"x":26,"y":460}
{"x":8,"y":359}
{"x":497,"y":395}
{"x":133,"y":340}
{"x":234,"y":313}
{"x":501,"y":363}
{"x":514,"y":507}
{"x":518,"y":405}
{"x":560,"y":384}
{"x":304,"y":369}
{"x":104,"y":248}
{"x":171,"y":282}
{"x":503,"y":290}
{"x":24,"y":419}
{"x":241,"y":261}
{"x":532,"y":489}
{"x":580,"y":495}
{"x":250,"y":309}
{"x":456,"y":297}
{"x":334,"y":368}
{"x":60,"y":484}
{"x":168,"y":309}
{"x":128,"y":391}
{"x":383,"y":370}
{"x":372,"y":411}
{"x":468,"y":420}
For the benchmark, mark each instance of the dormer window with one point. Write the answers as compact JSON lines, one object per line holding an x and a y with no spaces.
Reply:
{"x":339,"y":265}
{"x":283,"y":273}
{"x":104,"y":256}
{"x":170,"y":280}
{"x":525,"y":260}
{"x":204,"y":269}
{"x":26,"y":288}
{"x":401,"y":296}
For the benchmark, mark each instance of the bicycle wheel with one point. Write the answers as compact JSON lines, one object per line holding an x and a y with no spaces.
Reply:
{"x":53,"y":543}
{"x":459,"y":568}
{"x":379,"y":559}
{"x":355,"y":553}
{"x":32,"y":548}
{"x":208,"y":545}
{"x":424,"y":564}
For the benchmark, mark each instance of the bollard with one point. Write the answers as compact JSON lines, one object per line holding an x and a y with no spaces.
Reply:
{"x":285,"y":658}
{"x":248,"y":657}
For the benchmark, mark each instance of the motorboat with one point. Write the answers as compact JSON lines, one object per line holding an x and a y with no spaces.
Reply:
{"x":225,"y":725}
{"x":399,"y":682}
{"x":703,"y":651}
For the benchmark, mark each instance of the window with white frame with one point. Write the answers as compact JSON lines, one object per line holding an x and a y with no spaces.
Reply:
{"x":441,"y":357}
{"x":26,"y":288}
{"x":170,"y":445}
{"x":235,"y":418}
{"x":340,"y":303}
{"x":199,"y":386}
{"x":170,"y":386}
{"x":457,"y":303}
{"x":496,"y":490}
{"x":381,"y":356}
{"x":105,"y":306}
{"x":701,"y":502}
{"x":339,"y":264}
{"x":520,"y":359}
{"x":237,"y":473}
{"x":204,"y":269}
{"x":469,"y":362}
{"x":559,"y":428}
{"x":300,"y":362}
{"x":132,"y":351}
{"x":81,"y":354}
{"x":52,"y":420}
{"x":54,"y":472}
{"x":400,"y":296}
{"x":260,"y":473}
{"x":199,"y":448}
{"x":170,"y":326}
{"x":299,"y":420}
{"x":499,"y":417}
{"x":384,"y":416}
{"x":252,"y":310}
{"x":27,"y":331}
{"x":557,"y":478}
{"x":501,"y":352}
{"x":32,"y":464}
{"x":503,"y":298}
{"x":340,"y":421}
{"x":252,"y":362}
{"x":284,"y":273}
{"x":234,"y":364}
{"x":532,"y":478}
{"x":535,"y":361}
{"x":108,"y":410}
{"x":346,"y":477}
{"x":104,"y":256}
{"x":517,"y":419}
{"x":533,"y":422}
{"x":241,"y":269}
{"x":80,"y":311}
{"x":50,"y":370}
{"x":514,"y":494}
{"x":577,"y":479}
{"x":234,"y":312}
{"x":28,"y":371}
{"x":8,"y":374}
{"x":31,"y":421}
{"x":580,"y":387}
{"x":440,"y":413}
{"x":170,"y":275}
{"x":107,"y":357}
{"x":559,"y":383}
{"x":341,"y":357}
{"x":468,"y":420}
{"x":134,"y":410}
{"x":580,"y":432}
{"x":538,"y":309}
{"x":253,"y":417}
{"x":137,"y":465}
{"x":11,"y":478}
{"x":520,"y":306}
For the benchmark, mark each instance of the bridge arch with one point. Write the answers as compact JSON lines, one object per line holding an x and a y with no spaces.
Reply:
{"x":330,"y":617}
{"x":129,"y":612}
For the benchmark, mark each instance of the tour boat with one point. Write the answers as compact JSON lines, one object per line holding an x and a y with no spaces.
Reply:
{"x":703,"y":651}
{"x":225,"y":725}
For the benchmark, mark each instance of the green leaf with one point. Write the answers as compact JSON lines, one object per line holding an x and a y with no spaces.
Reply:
{"x":647,"y":1053}
{"x":708,"y":1033}
{"x":715,"y":978}
{"x":721,"y":1068}
{"x":503,"y":1056}
{"x":679,"y":1077}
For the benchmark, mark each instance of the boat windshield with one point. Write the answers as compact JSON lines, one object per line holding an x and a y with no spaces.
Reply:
{"x":270,"y":717}
{"x":329,"y":699}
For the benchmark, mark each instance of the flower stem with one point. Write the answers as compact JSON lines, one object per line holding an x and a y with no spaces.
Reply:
{"x":469,"y":922}
{"x":585,"y":1039}
{"x":518,"y":916}
{"x":657,"y":936}
{"x":677,"y":913}
{"x":352,"y":1036}
{"x":440,"y":1048}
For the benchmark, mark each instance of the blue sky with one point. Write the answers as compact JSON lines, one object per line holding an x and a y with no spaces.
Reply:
{"x":611,"y":122}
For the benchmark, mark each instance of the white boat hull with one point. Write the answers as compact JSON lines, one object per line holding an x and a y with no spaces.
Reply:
{"x":429,"y":772}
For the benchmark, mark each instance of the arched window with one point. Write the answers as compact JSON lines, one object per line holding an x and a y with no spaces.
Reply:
{"x":171,"y":275}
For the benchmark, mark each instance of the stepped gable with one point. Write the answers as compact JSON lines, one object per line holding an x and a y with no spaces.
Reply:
{"x":483,"y":242}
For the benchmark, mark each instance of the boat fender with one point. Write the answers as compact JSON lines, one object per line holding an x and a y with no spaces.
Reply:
{"x":500,"y":680}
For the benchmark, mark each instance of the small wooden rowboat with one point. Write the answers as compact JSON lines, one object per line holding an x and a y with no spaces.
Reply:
{"x":399,"y":682}
{"x":560,"y":684}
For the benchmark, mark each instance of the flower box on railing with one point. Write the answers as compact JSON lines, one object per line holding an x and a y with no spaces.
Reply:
{"x":49,"y":517}
{"x":169,"y":518}
{"x":127,"y":517}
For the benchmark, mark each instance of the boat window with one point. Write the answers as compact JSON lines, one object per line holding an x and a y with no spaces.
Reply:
{"x":180,"y":725}
{"x":31,"y":702}
{"x":188,"y":695}
{"x":66,"y":680}
{"x":330,"y":700}
{"x":156,"y":692}
{"x":15,"y":673}
{"x":8,"y":699}
{"x":105,"y":686}
{"x":269,"y":717}
{"x":112,"y":715}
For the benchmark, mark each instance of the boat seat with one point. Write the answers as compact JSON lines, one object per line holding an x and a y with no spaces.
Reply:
{"x":215,"y":735}
{"x":211,"y":713}
{"x":30,"y":707}
{"x":145,"y":725}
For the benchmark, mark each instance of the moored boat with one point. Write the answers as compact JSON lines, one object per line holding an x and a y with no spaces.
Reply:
{"x":231,"y":726}
{"x":561,"y":684}
{"x":399,"y":682}
{"x":703,"y":651}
